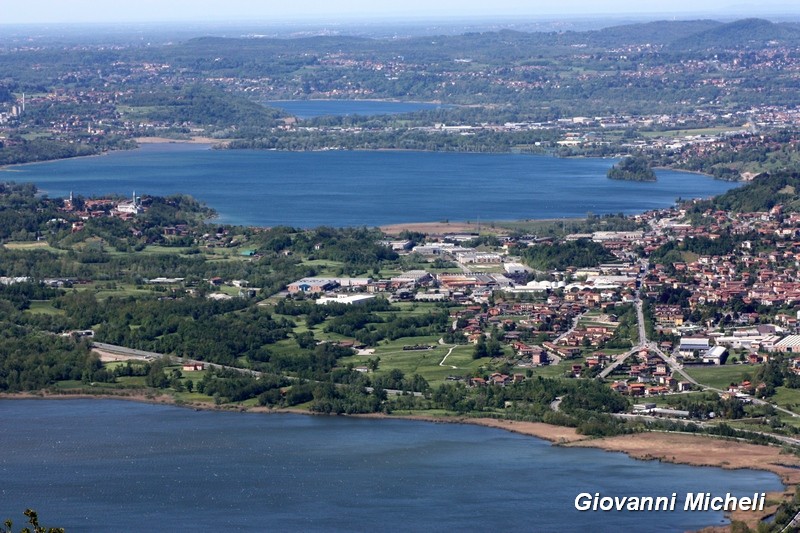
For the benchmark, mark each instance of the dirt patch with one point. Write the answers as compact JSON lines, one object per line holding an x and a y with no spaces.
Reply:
{"x":438,"y":228}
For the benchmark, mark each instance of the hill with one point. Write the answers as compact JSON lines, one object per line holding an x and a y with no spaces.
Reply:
{"x":762,"y":194}
{"x":661,"y":32}
{"x":743,"y":33}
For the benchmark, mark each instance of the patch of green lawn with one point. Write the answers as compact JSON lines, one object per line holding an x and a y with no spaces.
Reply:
{"x":721,"y":376}
{"x":43,"y":307}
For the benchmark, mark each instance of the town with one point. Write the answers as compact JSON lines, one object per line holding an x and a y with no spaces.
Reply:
{"x":673,"y":323}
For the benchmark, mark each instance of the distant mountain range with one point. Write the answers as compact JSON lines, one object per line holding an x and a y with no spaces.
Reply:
{"x":692,"y":35}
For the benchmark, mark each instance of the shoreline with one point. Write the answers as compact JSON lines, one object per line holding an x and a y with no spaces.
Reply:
{"x":459,"y":226}
{"x":138,"y":140}
{"x":676,"y":448}
{"x":191,"y":140}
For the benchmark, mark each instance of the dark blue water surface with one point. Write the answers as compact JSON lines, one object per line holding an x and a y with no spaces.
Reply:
{"x":344,"y":188}
{"x":320,"y":108}
{"x":103,"y":465}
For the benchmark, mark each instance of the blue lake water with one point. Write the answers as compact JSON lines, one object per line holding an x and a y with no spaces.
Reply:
{"x":319,"y":108}
{"x":103,"y":465}
{"x":352,"y":188}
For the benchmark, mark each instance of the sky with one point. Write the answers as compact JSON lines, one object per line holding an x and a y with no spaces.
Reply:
{"x":92,"y":11}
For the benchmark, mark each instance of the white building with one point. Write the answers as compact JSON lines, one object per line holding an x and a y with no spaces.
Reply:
{"x":516,"y":268}
{"x":133,"y":207}
{"x":790,"y":344}
{"x":355,"y":299}
{"x":715,"y":355}
{"x":483,"y":258}
{"x":690,"y":345}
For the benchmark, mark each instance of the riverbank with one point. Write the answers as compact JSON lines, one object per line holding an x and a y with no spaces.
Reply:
{"x":692,"y":450}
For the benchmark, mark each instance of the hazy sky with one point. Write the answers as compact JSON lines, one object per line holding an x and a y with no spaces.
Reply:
{"x":35,"y":11}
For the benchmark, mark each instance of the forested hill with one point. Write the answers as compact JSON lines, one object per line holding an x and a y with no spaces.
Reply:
{"x":743,"y":33}
{"x":762,"y":194}
{"x":661,"y":32}
{"x":490,"y":46}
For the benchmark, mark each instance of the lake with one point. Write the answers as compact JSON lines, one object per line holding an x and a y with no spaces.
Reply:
{"x":105,"y":465}
{"x":304,"y":109}
{"x":352,"y":188}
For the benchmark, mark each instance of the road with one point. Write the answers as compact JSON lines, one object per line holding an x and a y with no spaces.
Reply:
{"x":127,"y":352}
{"x":618,"y":360}
{"x":669,"y":359}
{"x":453,"y":347}
{"x":130,"y":353}
{"x":555,"y":405}
{"x":645,"y":344}
{"x":141,"y":355}
{"x":554,"y":358}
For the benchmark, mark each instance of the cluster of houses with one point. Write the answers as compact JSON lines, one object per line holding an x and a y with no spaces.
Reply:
{"x":649,"y":376}
{"x":496,"y":379}
{"x":769,"y":278}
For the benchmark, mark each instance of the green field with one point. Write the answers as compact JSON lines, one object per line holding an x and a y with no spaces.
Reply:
{"x":32,"y":245}
{"x":105,"y":290}
{"x":155,"y":249}
{"x":788,"y":399}
{"x":422,"y":362}
{"x":689,"y":132}
{"x":43,"y":307}
{"x":721,"y":376}
{"x":552,"y":371}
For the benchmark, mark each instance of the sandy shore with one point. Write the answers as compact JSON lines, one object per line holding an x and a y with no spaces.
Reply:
{"x":705,"y":451}
{"x":491,"y":226}
{"x":693,"y":450}
{"x":438,"y":227}
{"x":555,"y":434}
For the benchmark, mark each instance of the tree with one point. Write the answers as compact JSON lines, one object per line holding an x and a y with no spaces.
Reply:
{"x":33,"y":520}
{"x":480,"y":348}
{"x":306,"y":340}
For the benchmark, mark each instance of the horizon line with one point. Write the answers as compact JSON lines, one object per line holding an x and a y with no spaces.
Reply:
{"x":518,"y":18}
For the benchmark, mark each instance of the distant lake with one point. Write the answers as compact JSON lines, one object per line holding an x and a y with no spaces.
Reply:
{"x":103,"y":465}
{"x":319,"y":108}
{"x":352,"y":188}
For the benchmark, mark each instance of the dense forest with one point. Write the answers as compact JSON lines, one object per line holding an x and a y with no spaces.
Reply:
{"x":634,"y":168}
{"x":762,"y":194}
{"x":579,"y":253}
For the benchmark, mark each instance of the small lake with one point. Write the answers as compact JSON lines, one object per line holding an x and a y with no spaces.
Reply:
{"x":104,"y":465}
{"x":304,"y":109}
{"x":352,"y":188}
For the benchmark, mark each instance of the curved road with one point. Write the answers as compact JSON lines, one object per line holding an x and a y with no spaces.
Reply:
{"x":453,"y":347}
